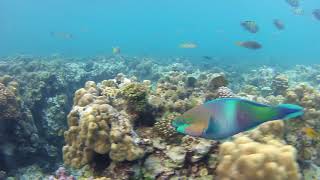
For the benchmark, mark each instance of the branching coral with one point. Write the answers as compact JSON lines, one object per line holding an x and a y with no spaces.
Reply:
{"x":163,"y":126}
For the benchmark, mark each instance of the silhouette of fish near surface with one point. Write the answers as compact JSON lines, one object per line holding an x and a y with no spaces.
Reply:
{"x":225,"y":117}
{"x":293,"y":3}
{"x":250,"y":26}
{"x":316,"y":14}
{"x":249,"y":44}
{"x":278,"y":24}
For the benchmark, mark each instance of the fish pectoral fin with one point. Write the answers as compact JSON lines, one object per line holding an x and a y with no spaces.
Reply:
{"x":212,"y":126}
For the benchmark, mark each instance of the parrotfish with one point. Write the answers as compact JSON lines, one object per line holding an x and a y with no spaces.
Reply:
{"x":222,"y":118}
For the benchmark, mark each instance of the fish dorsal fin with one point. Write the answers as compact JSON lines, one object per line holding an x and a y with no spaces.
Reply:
{"x":212,"y":126}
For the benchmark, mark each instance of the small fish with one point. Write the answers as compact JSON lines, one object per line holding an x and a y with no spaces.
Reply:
{"x":316,"y":14}
{"x":116,"y":50}
{"x":188,"y":45}
{"x":62,"y":35}
{"x":250,"y":26}
{"x":278,"y":24}
{"x":310,"y":132}
{"x":223,"y":118}
{"x":298,"y":11}
{"x":207,"y":57}
{"x":293,"y":3}
{"x":249,"y":44}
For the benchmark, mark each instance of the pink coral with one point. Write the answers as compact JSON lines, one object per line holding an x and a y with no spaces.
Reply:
{"x":61,"y":174}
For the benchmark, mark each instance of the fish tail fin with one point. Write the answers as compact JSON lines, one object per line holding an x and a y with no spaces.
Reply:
{"x":289,"y":111}
{"x":238,"y":43}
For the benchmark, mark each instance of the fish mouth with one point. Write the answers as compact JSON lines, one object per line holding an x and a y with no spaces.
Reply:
{"x":179,"y":125}
{"x":296,"y":114}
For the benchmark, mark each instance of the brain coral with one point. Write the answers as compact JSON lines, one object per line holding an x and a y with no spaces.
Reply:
{"x":95,"y":127}
{"x":247,"y":158}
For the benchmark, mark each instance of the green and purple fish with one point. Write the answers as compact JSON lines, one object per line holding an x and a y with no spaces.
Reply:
{"x":225,"y":117}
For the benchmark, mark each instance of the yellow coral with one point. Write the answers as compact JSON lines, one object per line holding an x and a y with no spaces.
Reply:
{"x":97,"y":127}
{"x":258,"y":158}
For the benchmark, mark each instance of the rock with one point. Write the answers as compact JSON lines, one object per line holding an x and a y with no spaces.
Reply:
{"x":200,"y":150}
{"x":213,"y":161}
{"x":217,"y":80}
{"x":280,"y":84}
{"x":156,"y":142}
{"x":312,"y":172}
{"x":153,"y":167}
{"x":177,"y":154}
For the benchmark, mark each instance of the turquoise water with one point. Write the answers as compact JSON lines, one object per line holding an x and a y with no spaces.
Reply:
{"x":156,"y":28}
{"x":59,"y":78}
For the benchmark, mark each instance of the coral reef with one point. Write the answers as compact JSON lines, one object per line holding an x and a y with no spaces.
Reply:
{"x":280,"y":84}
{"x":255,"y":158}
{"x":217,"y":80}
{"x":103,"y":122}
{"x":192,"y":157}
{"x":307,"y":146}
{"x":9,"y":107}
{"x":136,"y":96}
{"x":224,"y":92}
{"x":43,"y":88}
{"x":95,"y":127}
{"x":61,"y":174}
{"x":163,"y":126}
{"x":120,"y":128}
{"x":260,"y":77}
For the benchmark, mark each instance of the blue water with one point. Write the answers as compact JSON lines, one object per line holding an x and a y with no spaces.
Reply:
{"x":156,"y":28}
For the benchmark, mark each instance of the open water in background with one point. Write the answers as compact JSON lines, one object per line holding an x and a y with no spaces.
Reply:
{"x":156,"y":28}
